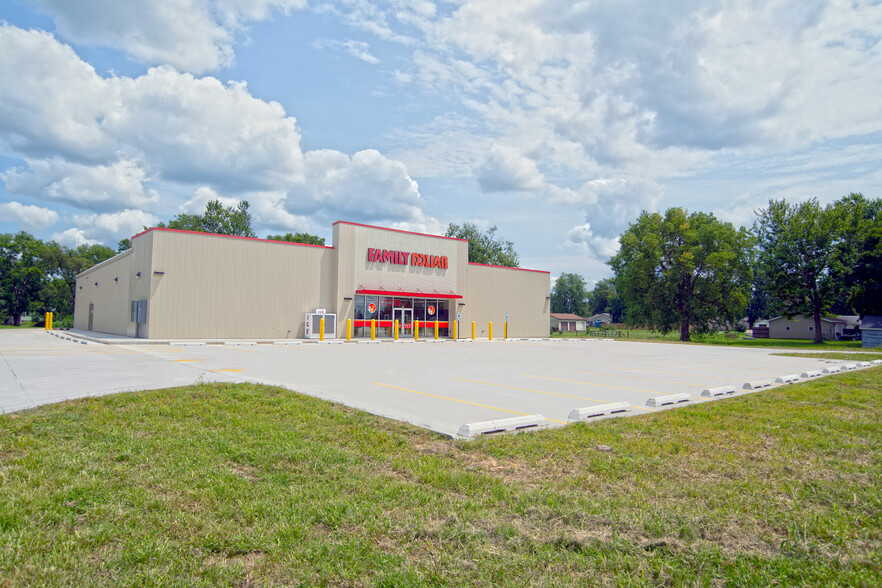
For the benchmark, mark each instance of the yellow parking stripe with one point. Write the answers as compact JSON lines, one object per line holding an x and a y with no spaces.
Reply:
{"x":183,"y":360}
{"x":638,"y":377}
{"x":550,"y":393}
{"x":458,"y":400}
{"x":226,"y":370}
{"x":591,"y":384}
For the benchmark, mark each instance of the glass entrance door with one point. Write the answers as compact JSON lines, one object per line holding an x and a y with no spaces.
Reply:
{"x":405,"y":320}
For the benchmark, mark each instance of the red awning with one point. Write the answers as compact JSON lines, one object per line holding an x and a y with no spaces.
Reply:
{"x":407,"y":294}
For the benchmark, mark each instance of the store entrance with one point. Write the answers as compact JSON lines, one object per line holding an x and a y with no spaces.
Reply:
{"x":404,"y":316}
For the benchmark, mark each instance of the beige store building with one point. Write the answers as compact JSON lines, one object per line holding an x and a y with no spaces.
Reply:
{"x":179,"y":284}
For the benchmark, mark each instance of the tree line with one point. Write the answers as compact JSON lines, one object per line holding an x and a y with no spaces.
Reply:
{"x":696,"y":273}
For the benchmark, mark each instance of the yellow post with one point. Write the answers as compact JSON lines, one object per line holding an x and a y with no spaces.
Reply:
{"x":473,"y":330}
{"x":349,"y":329}
{"x":491,"y":330}
{"x":322,"y":329}
{"x":505,"y":330}
{"x":436,"y":328}
{"x":455,"y":324}
{"x":47,"y":322}
{"x":396,"y":329}
{"x":416,"y":330}
{"x":51,"y":320}
{"x":373,"y":329}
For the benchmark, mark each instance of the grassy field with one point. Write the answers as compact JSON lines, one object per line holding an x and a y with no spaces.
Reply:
{"x":732,"y":339}
{"x":252,"y":485}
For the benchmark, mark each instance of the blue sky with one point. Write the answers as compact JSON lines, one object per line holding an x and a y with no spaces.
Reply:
{"x":558,"y":121}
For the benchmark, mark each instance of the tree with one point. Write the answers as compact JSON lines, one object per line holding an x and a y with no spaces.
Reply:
{"x":797,"y":257}
{"x":605,"y":298}
{"x":216,"y":219}
{"x":484,"y":247}
{"x":124,"y":245}
{"x":683,"y":269}
{"x":858,"y":254}
{"x":569,"y":295}
{"x":22,"y":273}
{"x":298,"y":238}
{"x":762,"y":303}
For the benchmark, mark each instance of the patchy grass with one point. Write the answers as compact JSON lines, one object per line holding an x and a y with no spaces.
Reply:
{"x":253,"y":485}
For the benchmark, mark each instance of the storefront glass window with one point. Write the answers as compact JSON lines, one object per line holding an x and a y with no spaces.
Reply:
{"x":359,"y":315}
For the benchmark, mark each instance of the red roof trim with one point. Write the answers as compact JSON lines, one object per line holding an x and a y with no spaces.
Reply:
{"x":228,"y":237}
{"x":522,"y":269}
{"x":398,"y":231}
{"x":407,"y":294}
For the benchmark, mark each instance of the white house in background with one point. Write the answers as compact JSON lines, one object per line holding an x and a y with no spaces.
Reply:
{"x":803,"y":327}
{"x":562,"y":321}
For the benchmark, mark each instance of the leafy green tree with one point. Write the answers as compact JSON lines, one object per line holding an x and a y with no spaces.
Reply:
{"x":298,"y":238}
{"x":798,"y":257}
{"x":485,"y":247}
{"x":858,"y":254}
{"x":123,"y":245}
{"x":762,"y":303}
{"x":61,"y":266}
{"x":216,"y":219}
{"x":605,"y":298}
{"x":569,"y":295}
{"x":690,"y":270}
{"x":22,"y":273}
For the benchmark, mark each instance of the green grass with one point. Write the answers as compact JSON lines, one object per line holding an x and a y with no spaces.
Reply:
{"x":867,"y":355}
{"x":730,"y":339}
{"x":24,"y":325}
{"x":252,"y":485}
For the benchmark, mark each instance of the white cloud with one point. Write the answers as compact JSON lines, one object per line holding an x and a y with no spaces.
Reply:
{"x":358,"y":49}
{"x":73,"y":237}
{"x":109,"y":227}
{"x":168,"y":132}
{"x":191,"y":35}
{"x":31,"y":217}
{"x":506,"y":169}
{"x":583,"y":238}
{"x":93,"y":187}
{"x":366,"y":187}
{"x":202,"y":196}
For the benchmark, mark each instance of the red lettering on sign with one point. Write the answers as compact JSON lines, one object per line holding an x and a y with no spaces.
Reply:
{"x":403,"y":257}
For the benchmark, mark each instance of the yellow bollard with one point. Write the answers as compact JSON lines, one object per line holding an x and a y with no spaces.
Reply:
{"x":51,"y":320}
{"x":373,"y":329}
{"x":47,"y":321}
{"x":322,"y":329}
{"x":491,"y":330}
{"x":473,"y":330}
{"x":505,"y":330}
{"x":416,"y":330}
{"x":436,"y":329}
{"x":349,"y":329}
{"x":455,"y":324}
{"x":396,"y":329}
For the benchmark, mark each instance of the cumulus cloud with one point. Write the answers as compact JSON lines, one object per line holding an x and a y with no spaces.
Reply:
{"x":73,"y":237}
{"x":109,"y":227}
{"x":195,"y":36}
{"x":119,"y":143}
{"x":31,"y":217}
{"x":583,"y":238}
{"x":119,"y":183}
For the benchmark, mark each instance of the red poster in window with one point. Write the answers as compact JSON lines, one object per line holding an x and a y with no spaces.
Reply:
{"x":431,"y":310}
{"x":372,"y":308}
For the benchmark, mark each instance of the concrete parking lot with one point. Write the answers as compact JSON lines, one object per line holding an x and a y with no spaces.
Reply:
{"x":438,"y":385}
